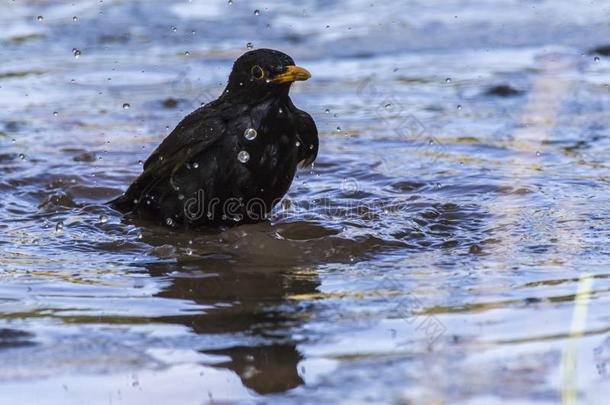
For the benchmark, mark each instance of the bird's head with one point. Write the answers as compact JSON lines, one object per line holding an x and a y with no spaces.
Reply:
{"x":264,"y":72}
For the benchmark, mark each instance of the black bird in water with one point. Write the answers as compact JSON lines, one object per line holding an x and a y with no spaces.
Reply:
{"x":232,"y":160}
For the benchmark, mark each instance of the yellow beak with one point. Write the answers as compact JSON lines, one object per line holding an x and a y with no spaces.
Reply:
{"x":292,"y":74}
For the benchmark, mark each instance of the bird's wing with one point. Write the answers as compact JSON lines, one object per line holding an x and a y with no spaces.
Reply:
{"x":308,"y":137}
{"x":193,"y":135}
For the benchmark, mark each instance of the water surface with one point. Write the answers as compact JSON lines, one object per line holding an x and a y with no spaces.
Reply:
{"x":450,"y":245}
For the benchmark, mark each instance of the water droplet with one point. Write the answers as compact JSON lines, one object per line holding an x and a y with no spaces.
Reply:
{"x":195,"y":165}
{"x":250,"y":45}
{"x":173,"y":28}
{"x":40,"y":18}
{"x":596,"y":59}
{"x":338,"y":129}
{"x":21,"y":156}
{"x":140,"y":162}
{"x":459,"y":107}
{"x":280,"y":110}
{"x":230,"y":2}
{"x":139,"y":235}
{"x":126,"y":106}
{"x":243,"y":156}
{"x":257,"y":12}
{"x":13,"y":140}
{"x":538,"y":153}
{"x":75,"y":18}
{"x":298,"y":144}
{"x":103,"y":219}
{"x":189,"y":251}
{"x":387,"y":106}
{"x":187,"y":53}
{"x":327,"y":111}
{"x":55,"y":113}
{"x":59,"y":227}
{"x":448,"y":80}
{"x":76,"y":53}
{"x":250,"y":134}
{"x":169,"y":221}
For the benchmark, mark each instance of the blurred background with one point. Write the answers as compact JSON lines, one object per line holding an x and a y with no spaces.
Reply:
{"x":449,"y":246}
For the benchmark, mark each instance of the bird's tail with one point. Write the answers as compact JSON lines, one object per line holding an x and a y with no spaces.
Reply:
{"x":122,"y":203}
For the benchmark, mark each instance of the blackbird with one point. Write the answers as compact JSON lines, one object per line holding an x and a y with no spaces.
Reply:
{"x":232,"y":160}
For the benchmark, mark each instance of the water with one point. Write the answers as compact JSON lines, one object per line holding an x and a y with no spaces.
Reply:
{"x":433,"y":254}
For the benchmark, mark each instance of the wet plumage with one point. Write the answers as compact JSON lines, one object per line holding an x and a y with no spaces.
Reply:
{"x":232,"y":160}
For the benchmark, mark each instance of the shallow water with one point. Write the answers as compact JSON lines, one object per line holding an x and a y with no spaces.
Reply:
{"x":450,"y":245}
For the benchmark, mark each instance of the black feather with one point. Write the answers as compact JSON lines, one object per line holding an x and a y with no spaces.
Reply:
{"x":195,"y":177}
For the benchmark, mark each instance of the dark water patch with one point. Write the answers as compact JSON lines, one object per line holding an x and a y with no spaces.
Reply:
{"x":266,"y":369}
{"x":8,"y":157}
{"x":11,"y":75}
{"x":170,"y":103}
{"x":58,"y":200}
{"x":13,"y":126}
{"x":113,"y":38}
{"x":23,"y":39}
{"x":85,"y":157}
{"x":13,"y":338}
{"x":408,"y":186}
{"x":503,"y":90}
{"x":603,"y":50}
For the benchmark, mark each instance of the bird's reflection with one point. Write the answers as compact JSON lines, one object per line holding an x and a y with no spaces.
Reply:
{"x":246,"y":279}
{"x":247,"y":301}
{"x":266,"y":369}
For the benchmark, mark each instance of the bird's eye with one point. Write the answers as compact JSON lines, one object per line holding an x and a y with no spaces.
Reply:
{"x":257,"y":72}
